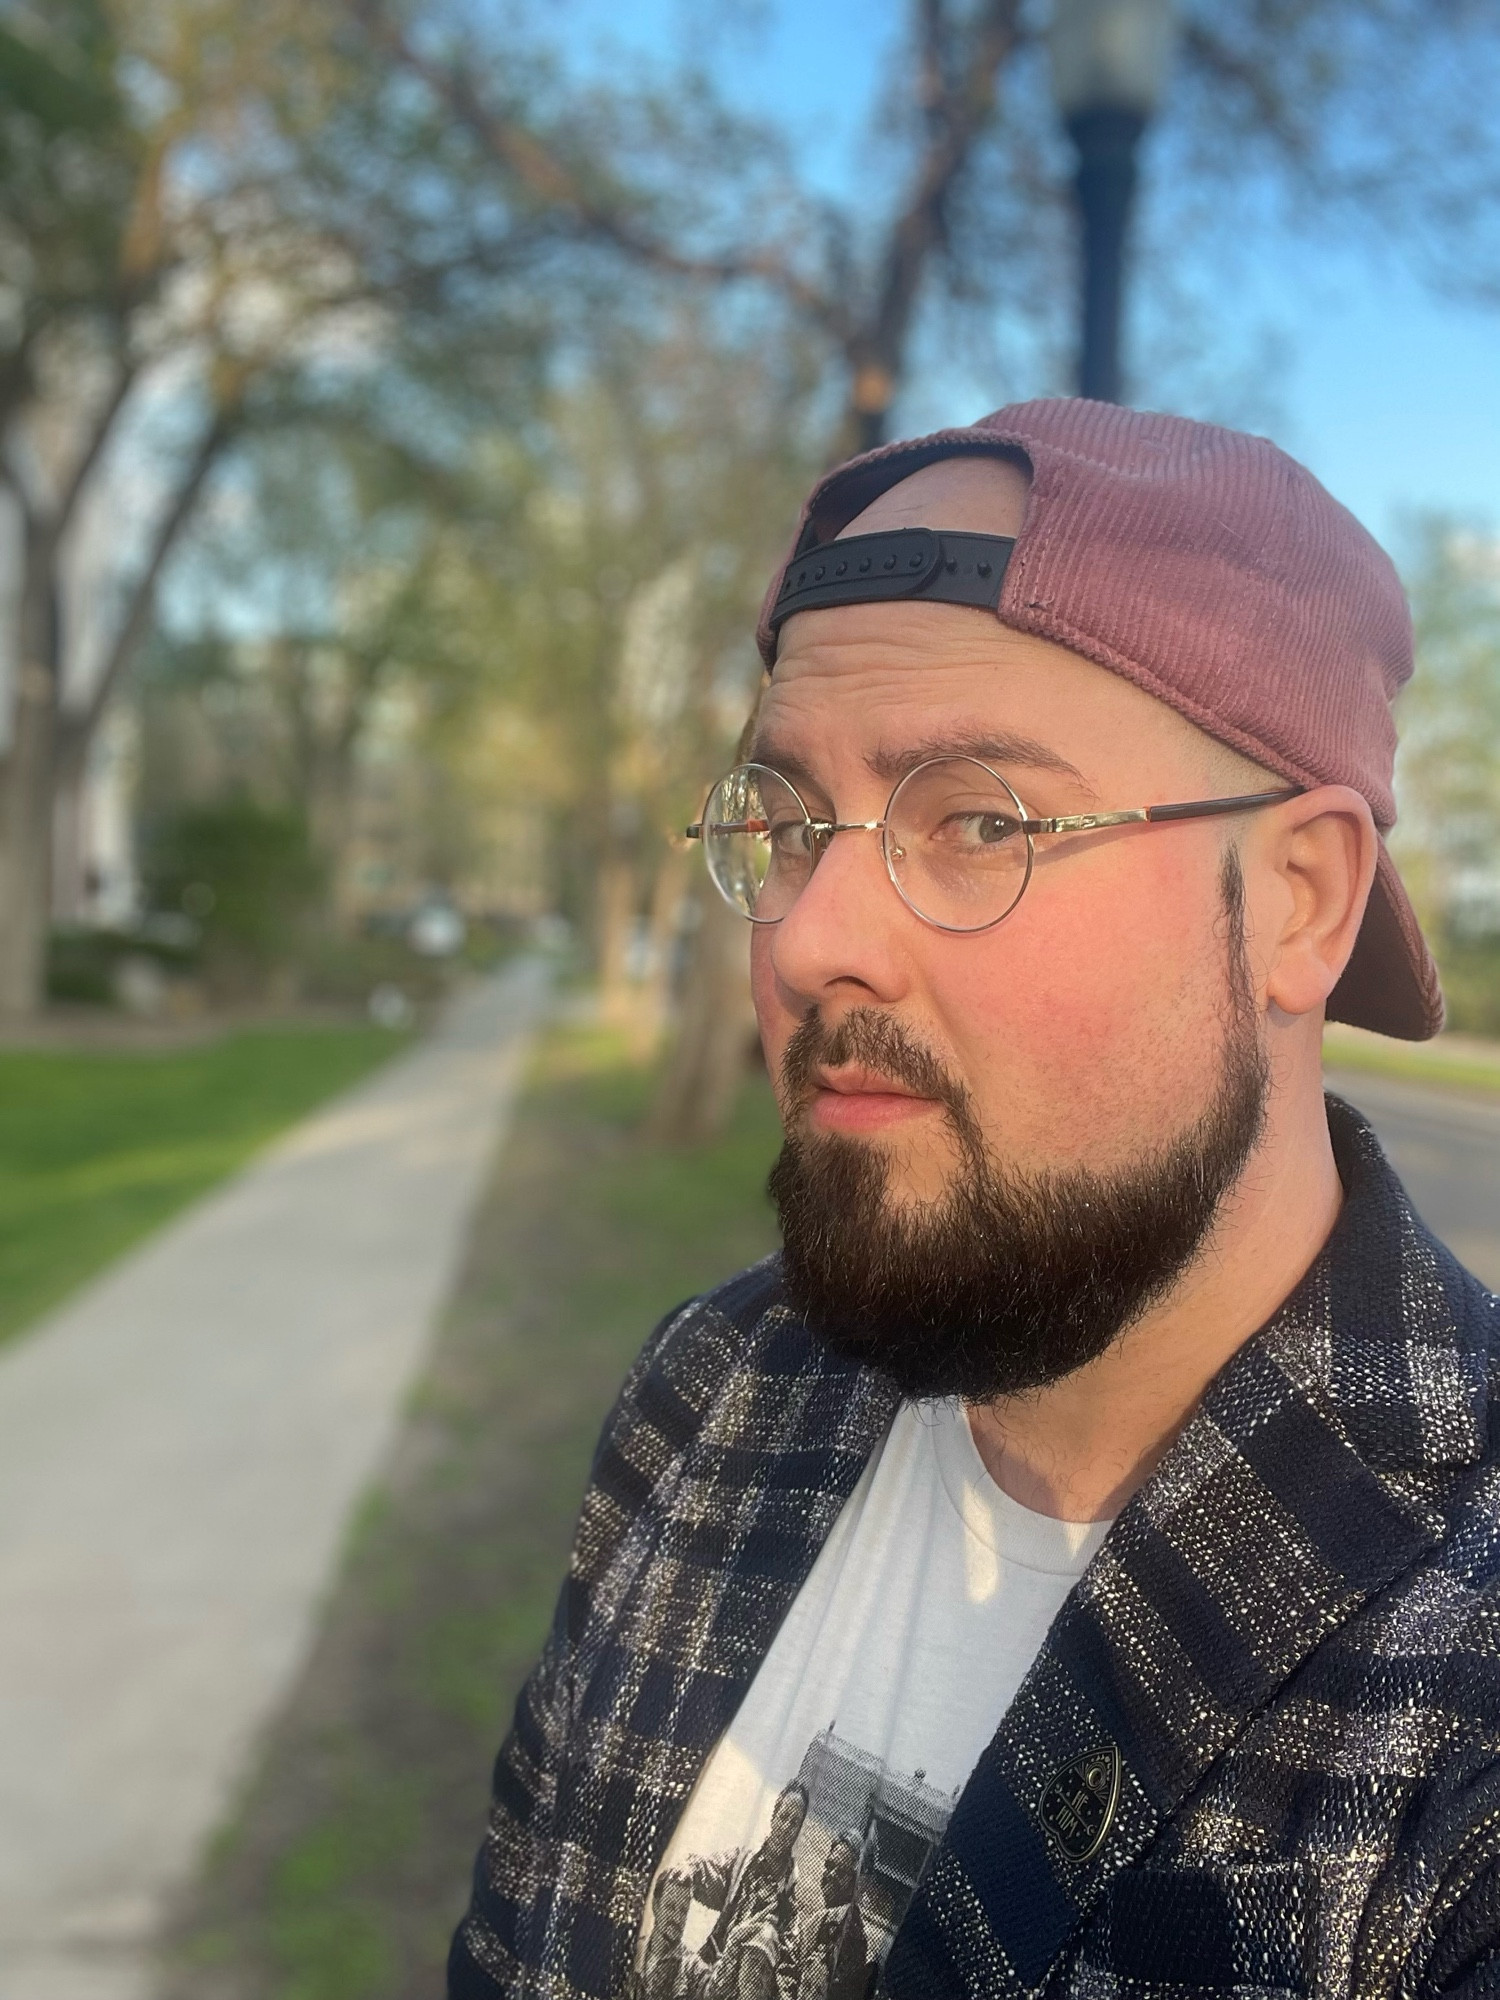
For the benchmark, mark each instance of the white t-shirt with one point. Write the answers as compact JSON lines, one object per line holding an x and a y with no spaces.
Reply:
{"x":889,"y":1675}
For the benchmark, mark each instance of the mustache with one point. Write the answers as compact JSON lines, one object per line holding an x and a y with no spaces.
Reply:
{"x":875,"y":1041}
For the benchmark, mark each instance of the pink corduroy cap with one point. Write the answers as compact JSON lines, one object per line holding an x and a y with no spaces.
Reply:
{"x":1215,"y":573}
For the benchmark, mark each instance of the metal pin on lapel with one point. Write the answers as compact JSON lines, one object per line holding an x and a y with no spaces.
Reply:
{"x":1078,"y":1805}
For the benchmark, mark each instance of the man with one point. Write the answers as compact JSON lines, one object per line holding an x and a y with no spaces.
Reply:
{"x":830,"y":1959}
{"x":1110,"y":1448}
{"x":668,"y":1969}
{"x":754,"y":1890}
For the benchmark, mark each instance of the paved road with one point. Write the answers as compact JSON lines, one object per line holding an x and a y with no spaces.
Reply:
{"x":1447,"y":1150}
{"x":181,"y":1447}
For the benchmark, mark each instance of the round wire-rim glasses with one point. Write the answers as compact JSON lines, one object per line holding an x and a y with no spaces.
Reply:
{"x":957,"y":841}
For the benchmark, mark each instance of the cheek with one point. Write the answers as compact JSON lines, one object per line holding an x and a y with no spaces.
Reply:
{"x":775,"y":1022}
{"x":1092,"y":1019}
{"x":762,"y":978}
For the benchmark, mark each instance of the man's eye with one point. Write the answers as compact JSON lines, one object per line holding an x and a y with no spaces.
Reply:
{"x":995,"y":827}
{"x":789,"y":838}
{"x":978,"y":829}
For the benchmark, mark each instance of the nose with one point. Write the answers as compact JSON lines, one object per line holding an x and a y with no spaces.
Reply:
{"x":844,"y":935}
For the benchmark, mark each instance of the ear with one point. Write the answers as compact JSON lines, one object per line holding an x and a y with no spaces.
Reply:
{"x":1315,"y":861}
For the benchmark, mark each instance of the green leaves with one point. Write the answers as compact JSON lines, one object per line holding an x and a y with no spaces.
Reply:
{"x":1448,"y":770}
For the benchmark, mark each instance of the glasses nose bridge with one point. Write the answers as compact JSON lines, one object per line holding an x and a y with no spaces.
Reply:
{"x":823,"y":830}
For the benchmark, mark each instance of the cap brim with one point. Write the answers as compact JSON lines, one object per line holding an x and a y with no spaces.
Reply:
{"x":1390,"y":984}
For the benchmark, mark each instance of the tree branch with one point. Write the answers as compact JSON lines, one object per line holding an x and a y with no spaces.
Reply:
{"x":16,"y":372}
{"x":98,"y":437}
{"x":79,"y":725}
{"x":958,"y":102}
{"x":551,"y":182}
{"x":1232,"y":74}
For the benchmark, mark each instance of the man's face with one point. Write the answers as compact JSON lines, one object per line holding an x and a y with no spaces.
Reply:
{"x":672,"y":1909}
{"x":1087,"y":1031}
{"x":786,"y":1823}
{"x":840,"y":1874}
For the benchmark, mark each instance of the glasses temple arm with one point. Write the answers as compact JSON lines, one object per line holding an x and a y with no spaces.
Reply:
{"x":1152,"y":815}
{"x":1210,"y":808}
{"x":1072,"y":823}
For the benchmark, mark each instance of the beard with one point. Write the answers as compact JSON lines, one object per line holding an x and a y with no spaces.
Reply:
{"x":1011,"y":1279}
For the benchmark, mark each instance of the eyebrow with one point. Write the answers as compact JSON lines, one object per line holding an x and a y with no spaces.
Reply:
{"x":892,"y":764}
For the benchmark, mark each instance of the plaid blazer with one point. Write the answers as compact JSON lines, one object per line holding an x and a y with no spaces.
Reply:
{"x":1258,"y":1753}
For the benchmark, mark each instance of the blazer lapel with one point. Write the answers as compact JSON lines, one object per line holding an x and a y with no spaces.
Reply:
{"x":771,"y":1434}
{"x":1278,"y":1513}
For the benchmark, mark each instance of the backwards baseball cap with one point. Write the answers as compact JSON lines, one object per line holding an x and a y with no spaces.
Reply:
{"x":1200,"y":563}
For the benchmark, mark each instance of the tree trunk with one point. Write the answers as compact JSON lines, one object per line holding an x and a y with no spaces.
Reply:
{"x":617,"y":894}
{"x":708,"y":1060}
{"x":655,"y":1006}
{"x":329,"y":795}
{"x":26,"y":785}
{"x":70,"y":763}
{"x":341,"y":880}
{"x":30,"y":772}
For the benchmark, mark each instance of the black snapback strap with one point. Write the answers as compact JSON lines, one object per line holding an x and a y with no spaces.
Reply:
{"x":937,"y":565}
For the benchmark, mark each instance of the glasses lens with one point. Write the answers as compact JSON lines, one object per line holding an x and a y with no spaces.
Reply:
{"x":955,"y":846}
{"x":758,"y":840}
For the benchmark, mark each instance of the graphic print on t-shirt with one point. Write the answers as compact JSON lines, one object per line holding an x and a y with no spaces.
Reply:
{"x":807,"y":1912}
{"x":804,"y":1837}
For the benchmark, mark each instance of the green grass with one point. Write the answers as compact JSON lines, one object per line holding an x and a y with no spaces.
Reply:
{"x":97,"y":1148}
{"x":347,"y":1864}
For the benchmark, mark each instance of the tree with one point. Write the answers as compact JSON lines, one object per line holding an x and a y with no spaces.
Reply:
{"x":615,"y":605}
{"x":130,"y":365}
{"x":1359,"y":115}
{"x":80,"y":253}
{"x":863,"y":307}
{"x":1448,"y":770}
{"x":184,"y":261}
{"x":307,"y":597}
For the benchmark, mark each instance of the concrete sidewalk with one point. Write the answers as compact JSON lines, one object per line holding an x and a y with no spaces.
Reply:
{"x":181,"y":1447}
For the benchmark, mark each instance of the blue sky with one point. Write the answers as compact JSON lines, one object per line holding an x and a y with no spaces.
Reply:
{"x":1393,"y":399}
{"x":1390,"y":393}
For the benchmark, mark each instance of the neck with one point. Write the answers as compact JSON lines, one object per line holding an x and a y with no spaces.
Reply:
{"x":1079,"y":1448}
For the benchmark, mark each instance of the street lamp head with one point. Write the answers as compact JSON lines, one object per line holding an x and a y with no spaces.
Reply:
{"x":1110,"y":55}
{"x":1109,"y":69}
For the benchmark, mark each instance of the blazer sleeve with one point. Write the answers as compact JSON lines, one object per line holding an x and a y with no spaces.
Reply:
{"x":1465,"y":1965}
{"x":502,"y":1933}
{"x":1482,"y":1982}
{"x":1457,"y":1950}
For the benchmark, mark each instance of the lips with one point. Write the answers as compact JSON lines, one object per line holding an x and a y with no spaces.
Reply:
{"x":855,"y":1100}
{"x":851,"y":1081}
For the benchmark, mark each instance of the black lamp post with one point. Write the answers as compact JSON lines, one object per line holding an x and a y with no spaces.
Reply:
{"x":1109,"y":67}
